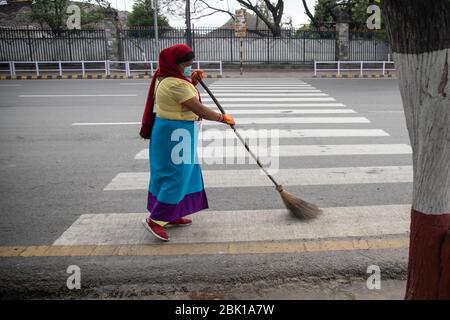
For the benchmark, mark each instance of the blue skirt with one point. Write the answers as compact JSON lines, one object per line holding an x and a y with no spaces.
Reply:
{"x":176,"y":183}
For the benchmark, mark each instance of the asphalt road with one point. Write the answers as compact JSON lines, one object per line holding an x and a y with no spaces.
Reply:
{"x":52,"y":173}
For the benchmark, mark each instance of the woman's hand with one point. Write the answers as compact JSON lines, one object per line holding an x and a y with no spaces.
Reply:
{"x":206,"y":113}
{"x":226,"y":118}
{"x":197,"y":75}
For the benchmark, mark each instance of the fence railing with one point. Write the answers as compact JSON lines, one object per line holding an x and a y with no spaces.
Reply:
{"x":360,"y":66}
{"x":260,"y":46}
{"x":105,"y":66}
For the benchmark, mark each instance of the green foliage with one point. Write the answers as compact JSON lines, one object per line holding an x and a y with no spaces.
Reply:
{"x":90,"y":15}
{"x":309,"y":32}
{"x":359,"y":12}
{"x":360,"y":15}
{"x":50,"y":13}
{"x":142,"y":15}
{"x":321,"y":13}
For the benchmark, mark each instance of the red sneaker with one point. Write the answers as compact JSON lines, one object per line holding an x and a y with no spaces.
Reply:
{"x":180,"y":222}
{"x":155,"y":229}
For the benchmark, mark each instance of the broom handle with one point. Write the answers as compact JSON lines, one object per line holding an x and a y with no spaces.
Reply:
{"x":278,"y":186}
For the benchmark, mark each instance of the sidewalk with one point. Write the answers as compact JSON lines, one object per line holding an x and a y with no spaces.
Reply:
{"x":300,"y":275}
{"x":295,"y":289}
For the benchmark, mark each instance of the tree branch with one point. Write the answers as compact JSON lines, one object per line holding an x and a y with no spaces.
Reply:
{"x":209,"y":14}
{"x":274,"y":27}
{"x":215,"y":9}
{"x":310,"y":16}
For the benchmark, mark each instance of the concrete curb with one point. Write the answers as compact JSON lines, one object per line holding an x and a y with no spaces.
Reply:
{"x":348,"y":76}
{"x":213,"y":76}
{"x":87,"y":76}
{"x":130,"y":276}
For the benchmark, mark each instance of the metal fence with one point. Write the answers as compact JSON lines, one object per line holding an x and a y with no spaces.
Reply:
{"x":137,"y":44}
{"x":259,"y":46}
{"x":30,"y":45}
{"x":368,"y":46}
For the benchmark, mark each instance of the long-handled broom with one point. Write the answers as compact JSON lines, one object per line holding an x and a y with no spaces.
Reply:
{"x":298,"y":207}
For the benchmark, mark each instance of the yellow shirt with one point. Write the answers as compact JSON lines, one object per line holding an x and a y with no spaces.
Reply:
{"x":170,"y":94}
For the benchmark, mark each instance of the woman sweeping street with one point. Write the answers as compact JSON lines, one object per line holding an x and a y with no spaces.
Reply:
{"x":176,"y":184}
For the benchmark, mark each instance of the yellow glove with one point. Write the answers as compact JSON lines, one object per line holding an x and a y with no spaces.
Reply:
{"x":196,"y":75}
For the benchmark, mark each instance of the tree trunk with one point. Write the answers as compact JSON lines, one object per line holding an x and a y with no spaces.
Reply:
{"x":418,"y":32}
{"x":275,"y":10}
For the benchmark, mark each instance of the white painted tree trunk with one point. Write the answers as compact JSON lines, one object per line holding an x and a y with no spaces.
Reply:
{"x":425,"y":90}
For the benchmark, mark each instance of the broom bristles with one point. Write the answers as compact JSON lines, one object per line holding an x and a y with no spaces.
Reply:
{"x":298,"y":207}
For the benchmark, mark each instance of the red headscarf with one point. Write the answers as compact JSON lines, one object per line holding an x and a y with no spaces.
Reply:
{"x":167,"y":68}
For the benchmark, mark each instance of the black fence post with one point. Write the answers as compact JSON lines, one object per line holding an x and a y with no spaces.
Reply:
{"x":70,"y":45}
{"x":105,"y":45}
{"x":192,"y":35}
{"x":304,"y":46}
{"x":231,"y":42}
{"x":29,"y":45}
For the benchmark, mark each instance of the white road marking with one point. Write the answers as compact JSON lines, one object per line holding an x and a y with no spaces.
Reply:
{"x":253,"y":225}
{"x":272,"y":87}
{"x":287,"y":177}
{"x":257,"y":80}
{"x":135,"y":83}
{"x":238,"y":151}
{"x":263,"y":83}
{"x":290,"y":120}
{"x":280,"y":99}
{"x":267,"y":90}
{"x":104,"y":123}
{"x":302,"y":133}
{"x":297,"y":94}
{"x":291,"y":111}
{"x":281,"y":105}
{"x":74,"y":95}
{"x":280,"y":120}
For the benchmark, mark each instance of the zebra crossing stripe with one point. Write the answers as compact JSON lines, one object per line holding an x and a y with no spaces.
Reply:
{"x":259,"y":81}
{"x":259,"y":87}
{"x":104,"y":123}
{"x":253,"y":225}
{"x":266,"y":90}
{"x":209,"y":135}
{"x":306,"y":93}
{"x":291,"y":111}
{"x":74,"y":95}
{"x":255,"y":81}
{"x":291,"y":120}
{"x":280,"y":99}
{"x":287,"y":177}
{"x":281,"y":105}
{"x":219,"y":152}
{"x":297,"y":133}
{"x":280,"y":120}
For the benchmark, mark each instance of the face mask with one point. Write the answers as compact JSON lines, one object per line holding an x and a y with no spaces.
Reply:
{"x":187,"y":71}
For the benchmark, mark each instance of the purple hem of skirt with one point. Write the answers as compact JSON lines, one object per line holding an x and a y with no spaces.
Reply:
{"x":191,"y":203}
